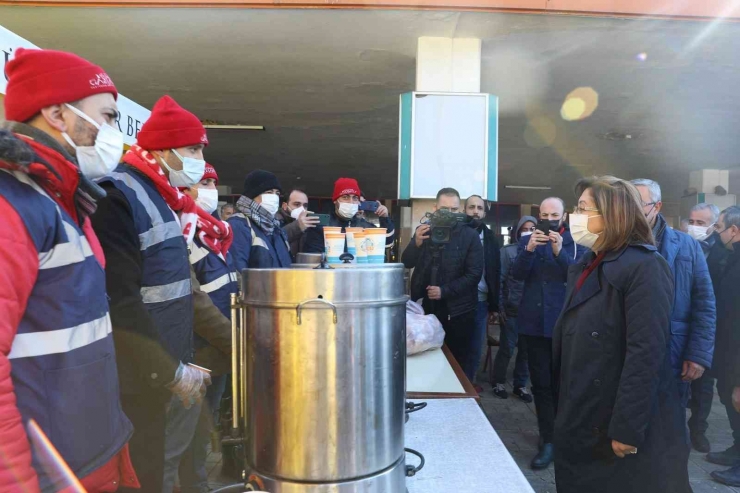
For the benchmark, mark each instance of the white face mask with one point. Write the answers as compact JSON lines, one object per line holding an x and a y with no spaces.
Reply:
{"x":348,"y":211}
{"x":579,"y":230}
{"x":295,"y":213}
{"x":526,"y":233}
{"x":207,"y":199}
{"x":699,"y":233}
{"x":270,"y":202}
{"x":190,"y":174}
{"x":102,"y":158}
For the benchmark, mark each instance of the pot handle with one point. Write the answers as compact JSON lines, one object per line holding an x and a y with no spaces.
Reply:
{"x":299,"y":307}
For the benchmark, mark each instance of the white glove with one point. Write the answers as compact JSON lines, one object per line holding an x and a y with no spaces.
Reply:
{"x":189,"y":385}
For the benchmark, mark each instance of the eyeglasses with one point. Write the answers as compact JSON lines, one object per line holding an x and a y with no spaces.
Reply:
{"x":581,"y":210}
{"x":645,"y":204}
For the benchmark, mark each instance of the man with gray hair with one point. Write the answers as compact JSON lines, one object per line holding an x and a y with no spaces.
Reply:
{"x":727,"y":361}
{"x":702,"y":220}
{"x":693,"y":321}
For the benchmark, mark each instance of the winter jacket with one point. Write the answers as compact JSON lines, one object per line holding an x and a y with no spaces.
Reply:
{"x":460,"y":270}
{"x":613,"y":379}
{"x":545,"y":279}
{"x":293,"y":232}
{"x":510,"y":291}
{"x":716,"y":255}
{"x":214,"y":280}
{"x":492,"y":261}
{"x":727,"y":355}
{"x":693,"y":320}
{"x":314,"y":237}
{"x":57,"y":357}
{"x":254,"y":249}
{"x":148,"y":280}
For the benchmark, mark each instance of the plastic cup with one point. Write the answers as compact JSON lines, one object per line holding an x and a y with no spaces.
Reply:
{"x":351,"y":245}
{"x":332,"y":229}
{"x":360,"y":247}
{"x":334,"y":246}
{"x":375,"y":242}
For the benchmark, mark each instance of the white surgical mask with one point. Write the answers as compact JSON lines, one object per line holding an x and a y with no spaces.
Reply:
{"x":207,"y":199}
{"x":295,"y":213}
{"x":699,"y":233}
{"x":526,"y":233}
{"x":347,"y":210}
{"x":190,"y":174}
{"x":270,"y":202}
{"x":579,"y":230}
{"x":102,"y":158}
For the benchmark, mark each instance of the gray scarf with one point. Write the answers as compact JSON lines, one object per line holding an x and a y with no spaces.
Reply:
{"x":257,"y":215}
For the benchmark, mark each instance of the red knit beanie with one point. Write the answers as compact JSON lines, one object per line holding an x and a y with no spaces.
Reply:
{"x":170,"y":126}
{"x":41,"y":78}
{"x":345,"y":186}
{"x":210,"y":173}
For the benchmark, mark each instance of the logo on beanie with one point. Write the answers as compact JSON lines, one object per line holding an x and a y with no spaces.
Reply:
{"x":348,"y":191}
{"x":101,"y":80}
{"x":204,"y":138}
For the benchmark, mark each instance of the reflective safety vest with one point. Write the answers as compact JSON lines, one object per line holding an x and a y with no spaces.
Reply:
{"x":166,"y":288}
{"x":63,"y":362}
{"x":216,"y":275}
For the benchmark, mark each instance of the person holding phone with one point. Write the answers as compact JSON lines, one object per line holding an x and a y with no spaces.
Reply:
{"x":296,"y":219}
{"x":542,"y":264}
{"x":346,"y":199}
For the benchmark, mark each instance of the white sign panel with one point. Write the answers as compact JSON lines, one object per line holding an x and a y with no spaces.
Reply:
{"x":132,"y":116}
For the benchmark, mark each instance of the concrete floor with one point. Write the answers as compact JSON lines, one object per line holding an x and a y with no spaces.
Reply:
{"x":516,"y":424}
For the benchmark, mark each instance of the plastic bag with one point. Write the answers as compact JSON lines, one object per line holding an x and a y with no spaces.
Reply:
{"x":423,"y":332}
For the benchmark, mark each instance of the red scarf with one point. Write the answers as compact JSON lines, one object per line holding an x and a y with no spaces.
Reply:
{"x":215,"y":235}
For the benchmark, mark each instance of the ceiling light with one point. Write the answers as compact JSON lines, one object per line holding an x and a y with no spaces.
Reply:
{"x":527,"y":187}
{"x":234,"y":127}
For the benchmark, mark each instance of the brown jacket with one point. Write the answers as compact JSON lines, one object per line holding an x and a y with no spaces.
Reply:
{"x":292,"y":231}
{"x":211,"y":325}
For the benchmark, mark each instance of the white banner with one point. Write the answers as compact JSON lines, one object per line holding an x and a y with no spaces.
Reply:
{"x":132,"y":117}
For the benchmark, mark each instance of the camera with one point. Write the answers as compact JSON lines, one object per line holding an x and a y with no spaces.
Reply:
{"x":441,"y":223}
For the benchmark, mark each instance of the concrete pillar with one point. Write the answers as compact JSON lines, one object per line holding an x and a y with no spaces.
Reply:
{"x":442,"y":65}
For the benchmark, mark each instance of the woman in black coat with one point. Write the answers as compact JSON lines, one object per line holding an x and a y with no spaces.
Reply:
{"x":619,"y":424}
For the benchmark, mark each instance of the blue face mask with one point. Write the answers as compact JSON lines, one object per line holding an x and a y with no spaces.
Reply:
{"x":190,"y":174}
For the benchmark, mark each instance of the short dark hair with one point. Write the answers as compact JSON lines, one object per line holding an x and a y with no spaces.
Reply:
{"x":228,"y":205}
{"x":449,"y":192}
{"x":485,"y":204}
{"x":299,"y":190}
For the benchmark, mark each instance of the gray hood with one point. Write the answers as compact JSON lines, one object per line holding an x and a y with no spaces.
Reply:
{"x":523,"y":220}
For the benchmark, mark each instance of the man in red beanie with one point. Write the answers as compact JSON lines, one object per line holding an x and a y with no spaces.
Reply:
{"x":346,"y":199}
{"x":57,"y":357}
{"x":145,"y":225}
{"x":214,"y":281}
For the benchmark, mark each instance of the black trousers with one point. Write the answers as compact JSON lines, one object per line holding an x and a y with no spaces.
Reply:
{"x":539,"y":357}
{"x":700,"y":403}
{"x":725,"y":396}
{"x":148,"y":413}
{"x":460,"y":336}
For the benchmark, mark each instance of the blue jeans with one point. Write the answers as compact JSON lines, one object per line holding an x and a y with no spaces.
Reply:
{"x":193,"y":474}
{"x":509,"y":341}
{"x":473,"y":358}
{"x":181,"y":424}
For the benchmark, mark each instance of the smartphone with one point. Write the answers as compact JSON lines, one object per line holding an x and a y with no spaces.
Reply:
{"x":544,"y":226}
{"x":323,"y":218}
{"x":369,"y":206}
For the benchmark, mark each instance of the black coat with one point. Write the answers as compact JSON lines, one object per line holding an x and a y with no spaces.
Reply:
{"x":492,"y":257}
{"x":613,"y":377}
{"x":727,"y":348}
{"x":460,"y":271}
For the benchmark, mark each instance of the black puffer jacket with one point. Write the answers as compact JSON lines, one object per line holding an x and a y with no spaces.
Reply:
{"x":460,"y":270}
